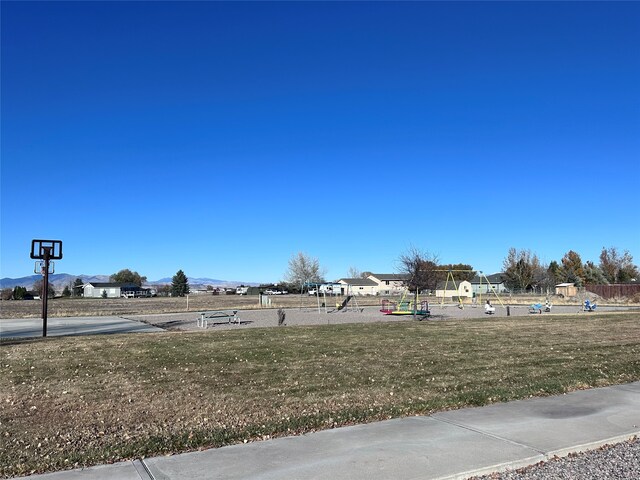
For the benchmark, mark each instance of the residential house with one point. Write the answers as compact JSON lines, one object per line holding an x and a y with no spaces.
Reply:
{"x":108,"y":290}
{"x":115,"y":290}
{"x":358,"y":286}
{"x":389,"y":283}
{"x":482,"y":284}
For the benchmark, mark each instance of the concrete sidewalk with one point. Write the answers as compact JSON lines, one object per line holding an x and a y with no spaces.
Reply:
{"x":447,"y":445}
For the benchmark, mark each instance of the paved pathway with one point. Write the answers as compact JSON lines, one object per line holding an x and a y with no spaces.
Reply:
{"x":446,"y":445}
{"x":32,"y":327}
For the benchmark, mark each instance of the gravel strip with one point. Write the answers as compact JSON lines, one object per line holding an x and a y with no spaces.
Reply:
{"x":619,"y":462}
{"x":311,"y":316}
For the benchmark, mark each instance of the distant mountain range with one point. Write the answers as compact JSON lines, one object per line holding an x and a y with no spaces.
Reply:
{"x":59,"y":280}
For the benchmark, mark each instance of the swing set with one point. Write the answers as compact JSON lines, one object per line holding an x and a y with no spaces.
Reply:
{"x":481,"y":275}
{"x":421,"y":308}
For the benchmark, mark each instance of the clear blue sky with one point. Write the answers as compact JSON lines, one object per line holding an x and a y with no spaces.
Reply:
{"x":222,"y":138}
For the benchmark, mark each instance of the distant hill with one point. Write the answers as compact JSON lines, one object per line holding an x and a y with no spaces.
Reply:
{"x":193,"y":281}
{"x":59,"y":280}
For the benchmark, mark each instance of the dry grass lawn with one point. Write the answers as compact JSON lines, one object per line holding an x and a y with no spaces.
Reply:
{"x":78,"y":401}
{"x":81,"y":307}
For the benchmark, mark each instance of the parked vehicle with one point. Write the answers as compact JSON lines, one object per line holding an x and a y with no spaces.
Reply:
{"x":270,"y":291}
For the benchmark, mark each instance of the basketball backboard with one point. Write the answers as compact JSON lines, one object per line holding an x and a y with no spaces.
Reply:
{"x":40,"y":248}
{"x":40,"y":266}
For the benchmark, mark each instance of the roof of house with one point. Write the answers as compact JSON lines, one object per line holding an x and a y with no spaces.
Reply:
{"x":494,"y":278}
{"x":109,"y":284}
{"x":566,"y":285}
{"x":390,"y":276}
{"x":360,"y":282}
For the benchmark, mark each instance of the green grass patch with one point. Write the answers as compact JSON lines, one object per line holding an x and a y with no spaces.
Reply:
{"x":79,"y":401}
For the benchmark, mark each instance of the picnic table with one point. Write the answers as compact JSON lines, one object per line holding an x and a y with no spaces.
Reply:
{"x":229,"y":315}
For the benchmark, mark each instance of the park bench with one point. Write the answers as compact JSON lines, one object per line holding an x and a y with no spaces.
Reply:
{"x":229,"y":315}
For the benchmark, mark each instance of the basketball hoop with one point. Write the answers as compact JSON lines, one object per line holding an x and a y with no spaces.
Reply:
{"x":40,"y":267}
{"x":45,"y":250}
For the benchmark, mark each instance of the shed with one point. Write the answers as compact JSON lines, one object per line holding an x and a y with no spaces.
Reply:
{"x":567,"y":289}
{"x":447,"y":289}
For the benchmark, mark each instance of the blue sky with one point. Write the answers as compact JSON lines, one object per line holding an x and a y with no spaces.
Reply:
{"x":222,"y":138}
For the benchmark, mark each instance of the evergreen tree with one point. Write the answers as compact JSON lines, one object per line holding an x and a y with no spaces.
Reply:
{"x":76,"y":291}
{"x":19,"y":293}
{"x":593,"y":275}
{"x":521,"y":269}
{"x":572,"y":268}
{"x":179,"y":284}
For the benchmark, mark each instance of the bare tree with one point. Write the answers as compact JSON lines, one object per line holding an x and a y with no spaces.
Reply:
{"x":303,"y":269}
{"x":420,"y":271}
{"x":354,"y":272}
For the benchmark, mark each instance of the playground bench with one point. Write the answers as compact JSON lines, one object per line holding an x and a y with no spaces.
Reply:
{"x":230,"y":315}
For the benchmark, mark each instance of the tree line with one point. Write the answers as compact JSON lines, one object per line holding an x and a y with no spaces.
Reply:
{"x":523,"y":269}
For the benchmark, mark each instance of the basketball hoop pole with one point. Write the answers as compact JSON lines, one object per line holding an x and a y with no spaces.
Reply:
{"x":45,"y":250}
{"x":45,"y":289}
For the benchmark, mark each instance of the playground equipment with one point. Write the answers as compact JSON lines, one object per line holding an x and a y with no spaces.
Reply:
{"x":588,"y":306}
{"x":350,"y":303}
{"x":405,"y":307}
{"x":475,"y":300}
{"x":489,"y":309}
{"x":539,"y":308}
{"x":535,"y":308}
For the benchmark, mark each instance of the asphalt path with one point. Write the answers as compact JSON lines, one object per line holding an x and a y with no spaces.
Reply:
{"x":32,"y":327}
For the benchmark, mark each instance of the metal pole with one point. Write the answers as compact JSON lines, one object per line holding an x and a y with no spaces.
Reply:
{"x":45,"y":291}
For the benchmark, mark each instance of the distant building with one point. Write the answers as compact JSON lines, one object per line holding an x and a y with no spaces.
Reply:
{"x":567,"y":289}
{"x":115,"y":290}
{"x":488,"y":284}
{"x":448,"y":289}
{"x":358,"y":286}
{"x":389,"y":283}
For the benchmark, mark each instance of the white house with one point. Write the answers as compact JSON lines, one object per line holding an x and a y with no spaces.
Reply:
{"x":96,"y":290}
{"x":448,"y":289}
{"x":115,"y":290}
{"x":358,"y":286}
{"x":389,"y":283}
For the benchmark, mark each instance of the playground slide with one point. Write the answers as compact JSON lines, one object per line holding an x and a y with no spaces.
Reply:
{"x":345,"y":302}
